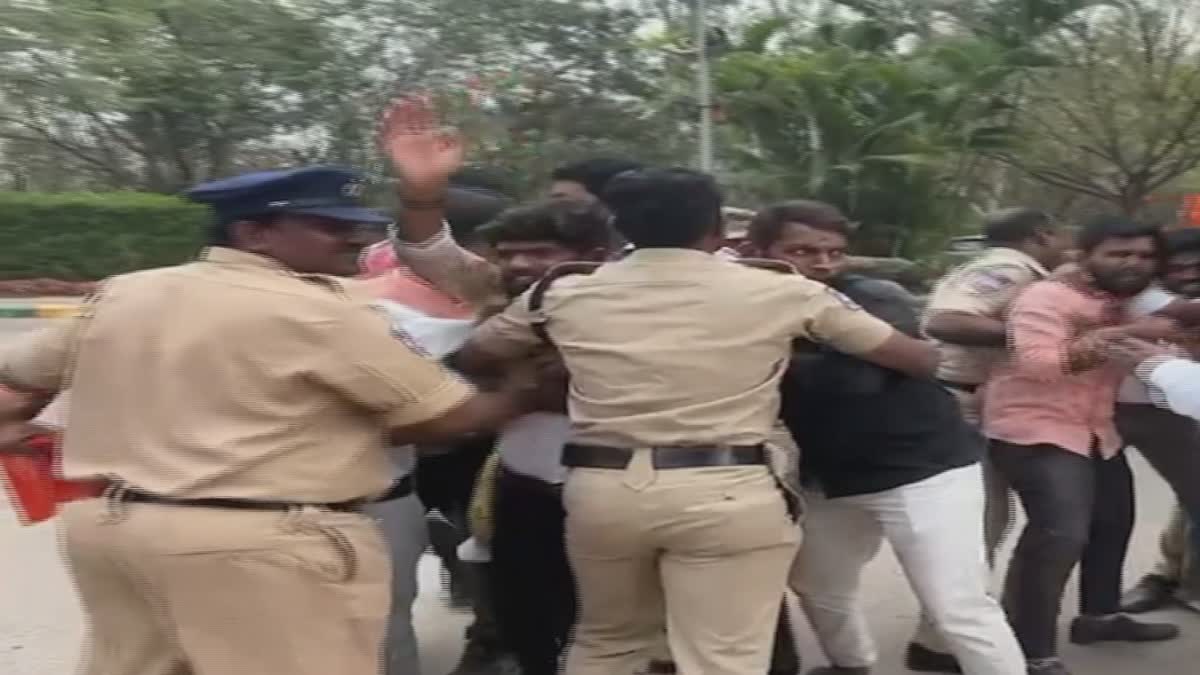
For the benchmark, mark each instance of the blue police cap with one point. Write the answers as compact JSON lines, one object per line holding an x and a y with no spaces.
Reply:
{"x":328,"y":191}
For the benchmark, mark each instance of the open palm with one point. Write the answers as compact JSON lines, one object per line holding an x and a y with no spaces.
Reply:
{"x":422,"y":152}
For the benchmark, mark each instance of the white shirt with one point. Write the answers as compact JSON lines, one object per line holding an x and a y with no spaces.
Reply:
{"x":1145,"y":303}
{"x":54,"y":415}
{"x":435,"y":337}
{"x":1177,"y":382}
{"x":532,"y":444}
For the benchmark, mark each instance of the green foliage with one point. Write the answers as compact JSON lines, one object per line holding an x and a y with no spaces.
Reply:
{"x":879,"y":136}
{"x":158,"y":95}
{"x":85,"y":236}
{"x":551,"y":82}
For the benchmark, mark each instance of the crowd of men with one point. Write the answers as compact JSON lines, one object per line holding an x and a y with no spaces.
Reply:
{"x":613,"y":423}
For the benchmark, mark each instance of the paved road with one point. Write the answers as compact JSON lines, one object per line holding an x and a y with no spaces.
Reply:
{"x":40,"y":624}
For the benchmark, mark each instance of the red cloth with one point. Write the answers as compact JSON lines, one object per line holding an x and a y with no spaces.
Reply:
{"x":34,"y":486}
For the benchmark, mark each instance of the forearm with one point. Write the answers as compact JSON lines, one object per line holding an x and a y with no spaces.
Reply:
{"x":1051,"y":362}
{"x":421,"y":218}
{"x":967,"y":330}
{"x":450,"y":268}
{"x":483,"y":412}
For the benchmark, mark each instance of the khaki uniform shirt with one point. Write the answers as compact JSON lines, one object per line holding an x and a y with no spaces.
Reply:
{"x":232,"y":377}
{"x":985,"y":286}
{"x":678,"y":347}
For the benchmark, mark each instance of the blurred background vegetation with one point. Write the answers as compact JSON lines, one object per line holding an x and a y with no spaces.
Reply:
{"x":915,"y":116}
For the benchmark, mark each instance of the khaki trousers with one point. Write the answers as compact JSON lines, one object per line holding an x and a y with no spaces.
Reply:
{"x":710,"y":548}
{"x":171,"y":590}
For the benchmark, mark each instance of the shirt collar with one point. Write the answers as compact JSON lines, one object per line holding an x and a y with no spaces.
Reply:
{"x":668,"y":255}
{"x":233,"y":256}
{"x":1020,"y":257}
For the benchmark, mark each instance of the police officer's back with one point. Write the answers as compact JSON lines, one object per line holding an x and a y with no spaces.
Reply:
{"x":675,"y":358}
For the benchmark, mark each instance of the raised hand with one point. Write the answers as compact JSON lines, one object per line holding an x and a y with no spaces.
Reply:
{"x":423,"y":153}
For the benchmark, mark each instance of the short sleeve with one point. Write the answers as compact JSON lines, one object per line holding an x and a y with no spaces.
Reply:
{"x":509,"y":334}
{"x":986,"y":290}
{"x":366,"y":363}
{"x":828,"y":316}
{"x":40,"y":360}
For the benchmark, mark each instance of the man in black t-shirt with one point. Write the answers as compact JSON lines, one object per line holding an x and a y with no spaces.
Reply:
{"x":884,"y":456}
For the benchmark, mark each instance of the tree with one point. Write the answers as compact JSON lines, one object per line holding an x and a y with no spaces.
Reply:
{"x":540,"y":82}
{"x":157,"y":95}
{"x":845,"y":120}
{"x":1116,"y":114}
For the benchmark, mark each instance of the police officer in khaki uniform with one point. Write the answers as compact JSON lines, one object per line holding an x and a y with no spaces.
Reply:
{"x":966,"y":315}
{"x":239,"y":407}
{"x":675,"y":358}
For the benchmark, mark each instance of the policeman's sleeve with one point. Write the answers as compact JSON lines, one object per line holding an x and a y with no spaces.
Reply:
{"x":827,"y":316}
{"x":507,"y":335}
{"x":39,"y":361}
{"x":984,"y":291}
{"x":383,"y":371}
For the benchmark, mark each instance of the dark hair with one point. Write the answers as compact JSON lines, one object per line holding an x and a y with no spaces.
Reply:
{"x":220,"y":231}
{"x":594,"y":174}
{"x":483,"y":178}
{"x":767,"y":225}
{"x":469,"y":208}
{"x":579,"y":226}
{"x":1185,"y":240}
{"x":664,"y":208}
{"x":1102,"y":228}
{"x":1013,"y":226}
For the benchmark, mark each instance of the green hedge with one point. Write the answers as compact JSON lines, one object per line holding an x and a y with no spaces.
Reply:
{"x":89,"y":236}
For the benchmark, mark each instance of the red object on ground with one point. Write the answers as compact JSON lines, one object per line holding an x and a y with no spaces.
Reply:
{"x":34,"y":487}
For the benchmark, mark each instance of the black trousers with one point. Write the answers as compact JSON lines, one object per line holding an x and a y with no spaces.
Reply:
{"x":1080,"y":510}
{"x":1171,"y":443}
{"x":784,"y":658}
{"x":533,"y":588}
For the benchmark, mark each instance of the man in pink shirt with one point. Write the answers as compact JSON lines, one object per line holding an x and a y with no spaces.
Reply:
{"x":385,"y":277}
{"x":1048,"y":413}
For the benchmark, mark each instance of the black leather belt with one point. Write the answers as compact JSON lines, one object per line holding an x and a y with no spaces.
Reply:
{"x":401,"y":488}
{"x":521,"y":481}
{"x":969,"y":388}
{"x":683,"y":457}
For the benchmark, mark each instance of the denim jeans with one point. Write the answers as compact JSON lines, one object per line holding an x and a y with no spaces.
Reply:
{"x":1080,"y":510}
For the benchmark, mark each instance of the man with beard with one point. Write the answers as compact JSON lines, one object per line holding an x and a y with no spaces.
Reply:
{"x":966,"y":314}
{"x":883,"y":453}
{"x":1171,"y":442}
{"x":1048,"y":414}
{"x":531,"y":583}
